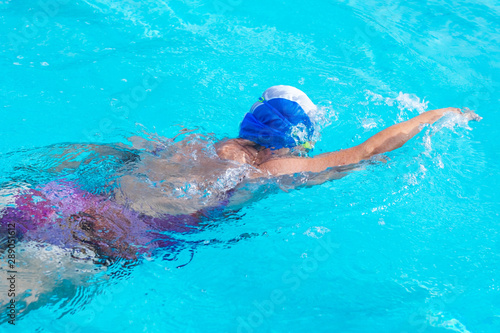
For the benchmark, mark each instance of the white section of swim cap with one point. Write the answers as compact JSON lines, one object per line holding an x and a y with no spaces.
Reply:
{"x":292,"y":94}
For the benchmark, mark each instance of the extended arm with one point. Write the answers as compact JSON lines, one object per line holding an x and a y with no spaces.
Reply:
{"x":389,"y":139}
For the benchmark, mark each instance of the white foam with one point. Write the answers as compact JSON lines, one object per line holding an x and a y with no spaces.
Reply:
{"x":314,"y":231}
{"x":368,"y":123}
{"x":8,"y":194}
{"x":404,"y":102}
{"x":437,"y":320}
{"x":410,"y":102}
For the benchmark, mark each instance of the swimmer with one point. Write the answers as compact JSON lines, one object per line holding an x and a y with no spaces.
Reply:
{"x":171,"y":187}
{"x":174,"y":186}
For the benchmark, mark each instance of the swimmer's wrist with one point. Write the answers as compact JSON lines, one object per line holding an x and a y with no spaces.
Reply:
{"x":466,"y":112}
{"x":450,"y":109}
{"x":441,"y":112}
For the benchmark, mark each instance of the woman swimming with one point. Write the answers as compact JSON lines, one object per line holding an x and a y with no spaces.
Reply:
{"x":93,"y":205}
{"x":173,"y":186}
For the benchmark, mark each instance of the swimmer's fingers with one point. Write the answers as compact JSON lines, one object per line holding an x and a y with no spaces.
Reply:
{"x":470,"y":114}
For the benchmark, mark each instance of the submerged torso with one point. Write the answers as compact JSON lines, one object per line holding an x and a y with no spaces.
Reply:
{"x":183,"y":178}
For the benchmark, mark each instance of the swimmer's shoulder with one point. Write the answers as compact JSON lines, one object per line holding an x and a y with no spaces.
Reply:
{"x":238,"y":150}
{"x":262,"y":159}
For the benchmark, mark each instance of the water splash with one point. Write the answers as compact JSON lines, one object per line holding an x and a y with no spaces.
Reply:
{"x":404,"y":102}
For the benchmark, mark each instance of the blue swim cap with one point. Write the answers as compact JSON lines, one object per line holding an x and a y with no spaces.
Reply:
{"x":280,"y":119}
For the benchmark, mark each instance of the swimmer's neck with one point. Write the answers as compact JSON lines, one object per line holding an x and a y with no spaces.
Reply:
{"x":247,"y":152}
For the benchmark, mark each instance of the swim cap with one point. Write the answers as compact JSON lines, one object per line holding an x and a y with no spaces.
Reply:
{"x":280,"y":119}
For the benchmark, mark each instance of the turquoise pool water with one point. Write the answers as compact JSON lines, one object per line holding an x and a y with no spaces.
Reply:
{"x":411,"y":245}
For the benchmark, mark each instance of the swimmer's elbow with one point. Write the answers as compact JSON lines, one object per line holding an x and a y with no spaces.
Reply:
{"x":343,"y":157}
{"x":318,"y":163}
{"x":290,"y":166}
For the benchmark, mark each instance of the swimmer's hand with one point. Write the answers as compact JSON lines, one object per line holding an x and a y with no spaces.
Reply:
{"x":470,"y":115}
{"x":464,"y":112}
